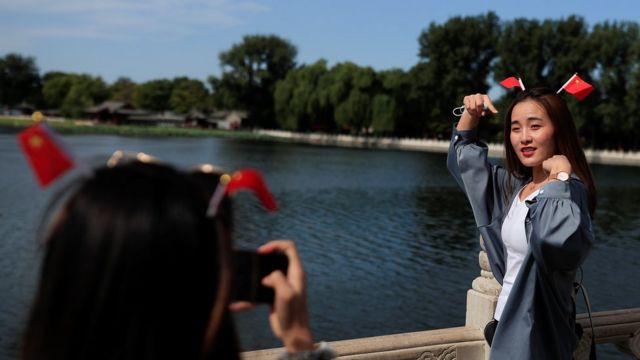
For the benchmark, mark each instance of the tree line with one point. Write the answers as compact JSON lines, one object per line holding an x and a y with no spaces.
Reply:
{"x":460,"y":56}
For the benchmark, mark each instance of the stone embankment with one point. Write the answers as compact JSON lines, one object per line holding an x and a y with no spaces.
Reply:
{"x":606,"y":157}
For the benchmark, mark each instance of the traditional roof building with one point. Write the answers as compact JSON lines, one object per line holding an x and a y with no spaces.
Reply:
{"x":120,"y":112}
{"x":114,"y":111}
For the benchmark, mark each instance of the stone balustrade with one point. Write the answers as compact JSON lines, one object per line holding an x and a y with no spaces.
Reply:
{"x":620,"y":327}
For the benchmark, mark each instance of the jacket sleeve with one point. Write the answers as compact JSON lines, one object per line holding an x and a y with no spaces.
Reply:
{"x":480,"y":180}
{"x":561,"y":232}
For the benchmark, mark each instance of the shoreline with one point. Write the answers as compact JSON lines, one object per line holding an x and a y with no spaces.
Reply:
{"x":603,"y":157}
{"x":88,"y":127}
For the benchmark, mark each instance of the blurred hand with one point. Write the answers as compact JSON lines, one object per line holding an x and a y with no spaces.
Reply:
{"x":289,"y":316}
{"x":474,"y":108}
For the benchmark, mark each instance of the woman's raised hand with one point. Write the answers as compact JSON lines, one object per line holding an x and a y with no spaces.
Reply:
{"x":289,"y":316}
{"x":475,"y":106}
{"x":556,"y":164}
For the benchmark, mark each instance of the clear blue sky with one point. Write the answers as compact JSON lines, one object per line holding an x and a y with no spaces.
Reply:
{"x":151,"y":39}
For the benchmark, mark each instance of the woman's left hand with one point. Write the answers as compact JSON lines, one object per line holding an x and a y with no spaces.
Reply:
{"x":556,"y":164}
{"x":289,"y":316}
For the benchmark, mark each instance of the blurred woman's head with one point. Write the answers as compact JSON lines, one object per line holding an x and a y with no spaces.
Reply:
{"x":133,"y":269}
{"x":538,"y":125}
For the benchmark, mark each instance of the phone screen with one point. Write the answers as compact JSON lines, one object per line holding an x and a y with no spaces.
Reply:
{"x":249,"y":270}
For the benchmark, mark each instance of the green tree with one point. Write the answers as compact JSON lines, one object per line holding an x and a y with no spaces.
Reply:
{"x":154,"y":95}
{"x":299,"y":102}
{"x":633,"y":106}
{"x":383,"y":114}
{"x":523,"y":52}
{"x":188,"y":94}
{"x":85,"y":91}
{"x":19,"y":80}
{"x":251,"y":70}
{"x":543,"y":53}
{"x":55,"y":87}
{"x":569,"y":50}
{"x":633,"y":99}
{"x":546,"y":54}
{"x":123,"y":89}
{"x":457,"y":57}
{"x":351,"y":89}
{"x":73,"y":93}
{"x":391,"y":106}
{"x":616,"y":47}
{"x":419,"y":102}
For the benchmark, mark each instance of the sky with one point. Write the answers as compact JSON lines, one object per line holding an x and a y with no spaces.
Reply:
{"x":153,"y":39}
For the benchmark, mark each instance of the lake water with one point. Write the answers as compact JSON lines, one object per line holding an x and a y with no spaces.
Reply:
{"x":387,"y":240}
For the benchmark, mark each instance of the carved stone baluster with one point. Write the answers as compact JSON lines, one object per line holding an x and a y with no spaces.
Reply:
{"x":482,"y":298}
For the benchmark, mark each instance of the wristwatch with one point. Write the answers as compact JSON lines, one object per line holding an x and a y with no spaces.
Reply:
{"x":562,"y":176}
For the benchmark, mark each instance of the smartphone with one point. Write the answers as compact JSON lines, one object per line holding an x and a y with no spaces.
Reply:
{"x":249,"y":270}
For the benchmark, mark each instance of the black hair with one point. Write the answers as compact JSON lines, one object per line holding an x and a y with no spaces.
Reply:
{"x":132,"y":270}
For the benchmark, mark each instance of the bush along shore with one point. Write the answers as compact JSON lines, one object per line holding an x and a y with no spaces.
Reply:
{"x":90,"y":127}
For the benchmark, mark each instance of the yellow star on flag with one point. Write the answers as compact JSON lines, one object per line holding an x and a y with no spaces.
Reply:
{"x":35,"y":141}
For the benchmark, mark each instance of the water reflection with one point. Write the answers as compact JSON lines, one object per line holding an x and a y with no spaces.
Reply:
{"x":618,"y":215}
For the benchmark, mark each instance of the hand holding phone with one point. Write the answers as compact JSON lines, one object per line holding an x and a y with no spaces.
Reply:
{"x":249,"y":269}
{"x":289,"y":316}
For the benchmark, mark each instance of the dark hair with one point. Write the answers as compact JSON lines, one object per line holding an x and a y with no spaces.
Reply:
{"x":565,"y":138}
{"x":133,"y":269}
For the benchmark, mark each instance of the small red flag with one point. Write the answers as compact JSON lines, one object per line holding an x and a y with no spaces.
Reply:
{"x":45,"y":152}
{"x":512,"y":82}
{"x":578,"y":87}
{"x":252,"y":179}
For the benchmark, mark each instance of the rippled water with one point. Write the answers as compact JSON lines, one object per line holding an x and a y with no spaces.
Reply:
{"x":387,"y":240}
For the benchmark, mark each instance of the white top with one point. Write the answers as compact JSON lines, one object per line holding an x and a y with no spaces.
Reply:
{"x":514,"y":238}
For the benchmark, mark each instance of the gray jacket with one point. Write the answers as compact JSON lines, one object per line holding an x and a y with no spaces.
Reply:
{"x":539,"y":317}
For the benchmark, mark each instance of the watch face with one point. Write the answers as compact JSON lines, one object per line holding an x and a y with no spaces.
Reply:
{"x":563,"y":176}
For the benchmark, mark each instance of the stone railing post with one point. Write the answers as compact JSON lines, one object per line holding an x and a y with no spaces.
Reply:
{"x":483,"y":295}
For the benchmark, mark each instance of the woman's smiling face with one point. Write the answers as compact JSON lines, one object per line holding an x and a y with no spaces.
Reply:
{"x":532,"y":133}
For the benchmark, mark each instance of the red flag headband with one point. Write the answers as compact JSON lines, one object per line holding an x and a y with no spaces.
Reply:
{"x":512,"y":82}
{"x":577,"y":87}
{"x":574,"y":86}
{"x":249,"y":179}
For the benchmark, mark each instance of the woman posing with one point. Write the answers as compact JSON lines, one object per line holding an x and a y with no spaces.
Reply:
{"x":534,"y":215}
